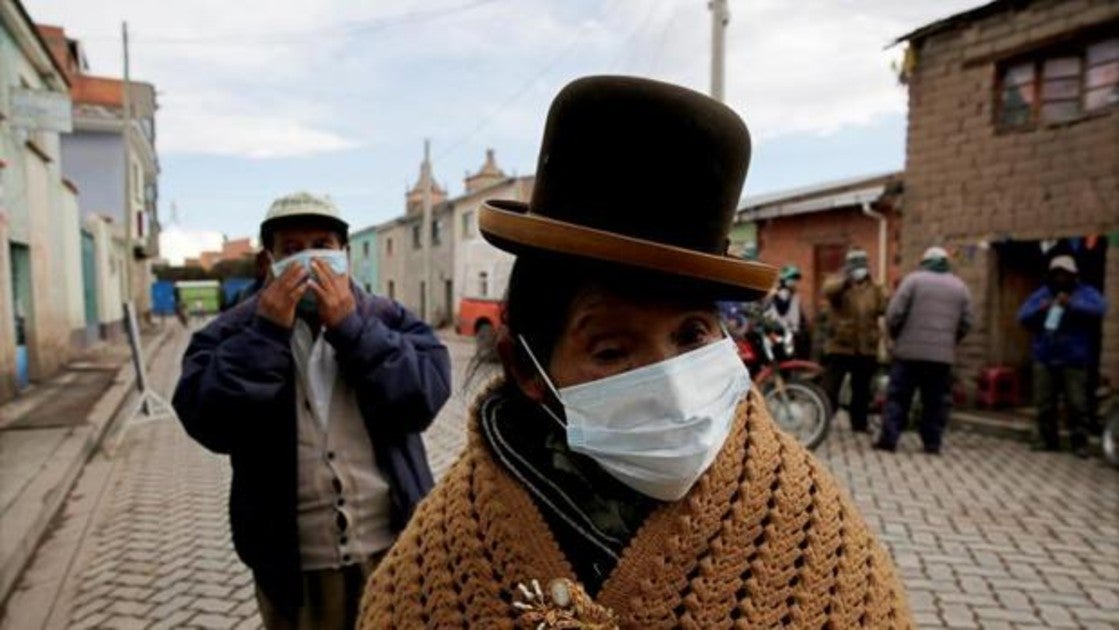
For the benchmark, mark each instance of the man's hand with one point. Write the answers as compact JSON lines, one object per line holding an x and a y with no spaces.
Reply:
{"x":279,"y":299}
{"x":334,"y":296}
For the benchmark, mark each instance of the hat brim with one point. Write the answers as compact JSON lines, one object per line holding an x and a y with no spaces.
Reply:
{"x":509,"y":226}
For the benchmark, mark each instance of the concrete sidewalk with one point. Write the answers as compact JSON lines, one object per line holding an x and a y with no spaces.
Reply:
{"x":46,"y":437}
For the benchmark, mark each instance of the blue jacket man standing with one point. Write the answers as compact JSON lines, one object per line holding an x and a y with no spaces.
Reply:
{"x":318,"y":393}
{"x":1062,"y":315}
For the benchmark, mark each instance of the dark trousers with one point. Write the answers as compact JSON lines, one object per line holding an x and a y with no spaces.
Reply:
{"x":861,"y":368}
{"x":934,"y":381}
{"x":1050,"y":384}
{"x":331,"y":599}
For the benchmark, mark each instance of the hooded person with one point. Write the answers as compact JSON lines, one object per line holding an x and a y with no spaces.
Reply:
{"x":785,"y":307}
{"x":318,"y":393}
{"x":927,"y":318}
{"x":1063,"y":315}
{"x":624,"y":472}
{"x":855,"y":304}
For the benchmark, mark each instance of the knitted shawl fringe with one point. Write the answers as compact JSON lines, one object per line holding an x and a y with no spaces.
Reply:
{"x":765,"y":539}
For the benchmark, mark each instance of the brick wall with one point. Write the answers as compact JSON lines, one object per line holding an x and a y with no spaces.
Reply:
{"x":971,"y":185}
{"x":794,"y":239}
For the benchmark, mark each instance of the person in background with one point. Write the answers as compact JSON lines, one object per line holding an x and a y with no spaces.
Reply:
{"x":318,"y":393}
{"x":855,"y":304}
{"x":785,"y":308}
{"x":927,"y":318}
{"x":1062,"y":315}
{"x":625,"y":473}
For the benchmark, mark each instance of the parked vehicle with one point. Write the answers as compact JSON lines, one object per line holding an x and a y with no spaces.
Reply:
{"x":200,"y":297}
{"x":479,"y":318}
{"x":797,"y":402}
{"x":1108,"y":404}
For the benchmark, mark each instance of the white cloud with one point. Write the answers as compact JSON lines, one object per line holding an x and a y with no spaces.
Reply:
{"x":270,"y":78}
{"x":176,"y":243}
{"x":812,"y":66}
{"x":292,"y":78}
{"x":220,"y":124}
{"x":228,"y":74}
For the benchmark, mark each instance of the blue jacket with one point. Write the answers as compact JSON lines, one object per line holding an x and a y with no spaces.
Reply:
{"x":1072,"y":344}
{"x":236,"y":396}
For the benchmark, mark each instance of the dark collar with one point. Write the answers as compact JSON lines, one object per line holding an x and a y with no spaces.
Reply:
{"x":569,"y":488}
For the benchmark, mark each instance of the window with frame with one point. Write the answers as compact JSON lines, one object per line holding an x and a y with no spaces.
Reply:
{"x":1101,"y":76}
{"x":483,"y":284}
{"x":417,"y":236}
{"x":1059,"y":86}
{"x":388,"y":246}
{"x":365,"y":250}
{"x":468,"y":224}
{"x":437,"y":231}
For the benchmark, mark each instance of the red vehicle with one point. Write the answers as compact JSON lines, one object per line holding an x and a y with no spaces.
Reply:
{"x":478,"y":318}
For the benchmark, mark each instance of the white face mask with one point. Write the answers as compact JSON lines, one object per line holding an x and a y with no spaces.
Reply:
{"x":859,"y":273}
{"x":656,"y":428}
{"x":336,"y":259}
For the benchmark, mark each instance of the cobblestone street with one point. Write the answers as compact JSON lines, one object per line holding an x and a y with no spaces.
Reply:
{"x":987,"y":535}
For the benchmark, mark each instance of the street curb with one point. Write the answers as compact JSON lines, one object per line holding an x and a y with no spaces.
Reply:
{"x":991,"y":427}
{"x":33,"y":511}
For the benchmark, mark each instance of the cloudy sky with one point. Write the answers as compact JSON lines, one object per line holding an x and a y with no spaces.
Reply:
{"x":262,"y":97}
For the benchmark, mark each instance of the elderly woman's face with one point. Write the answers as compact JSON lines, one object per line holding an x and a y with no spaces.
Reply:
{"x":606,"y":335}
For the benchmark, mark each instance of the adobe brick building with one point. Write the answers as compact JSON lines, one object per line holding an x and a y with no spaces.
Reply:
{"x":1013,"y":157}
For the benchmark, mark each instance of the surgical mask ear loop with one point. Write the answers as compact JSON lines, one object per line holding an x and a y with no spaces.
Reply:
{"x":547,"y":381}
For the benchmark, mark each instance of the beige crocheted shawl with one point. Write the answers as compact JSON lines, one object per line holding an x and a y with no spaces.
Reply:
{"x":766,"y":538}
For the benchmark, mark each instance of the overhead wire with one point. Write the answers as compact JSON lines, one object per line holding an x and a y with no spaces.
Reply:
{"x":360,"y":27}
{"x":626,"y":52}
{"x":523,"y":88}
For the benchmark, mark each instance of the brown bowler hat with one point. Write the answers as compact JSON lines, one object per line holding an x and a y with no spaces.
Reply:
{"x":640,"y":173}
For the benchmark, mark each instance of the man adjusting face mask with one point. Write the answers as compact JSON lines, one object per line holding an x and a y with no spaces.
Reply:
{"x":336,"y":259}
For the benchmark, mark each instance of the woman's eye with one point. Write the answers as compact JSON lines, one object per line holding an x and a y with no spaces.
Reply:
{"x":694,"y":333}
{"x":608,"y":355}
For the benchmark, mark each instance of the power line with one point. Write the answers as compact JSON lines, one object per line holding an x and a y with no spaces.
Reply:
{"x":339,"y":30}
{"x":522,"y":89}
{"x":625,"y":52}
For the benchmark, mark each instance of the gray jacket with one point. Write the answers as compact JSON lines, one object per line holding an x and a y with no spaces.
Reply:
{"x":928,"y":316}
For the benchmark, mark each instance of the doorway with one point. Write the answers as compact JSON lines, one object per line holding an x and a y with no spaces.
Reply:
{"x":21,"y":309}
{"x":827,"y":259}
{"x":448,"y":300}
{"x":89,"y":287}
{"x":1020,"y":269}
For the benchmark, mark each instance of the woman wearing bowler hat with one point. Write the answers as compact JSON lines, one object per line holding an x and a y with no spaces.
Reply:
{"x":623,"y":472}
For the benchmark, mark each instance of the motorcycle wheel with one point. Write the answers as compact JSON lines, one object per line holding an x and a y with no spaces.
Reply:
{"x":1110,"y":439}
{"x":802,"y":412}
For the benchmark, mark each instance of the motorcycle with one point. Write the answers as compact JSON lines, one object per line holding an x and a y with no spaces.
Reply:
{"x":797,"y":402}
{"x":1108,"y":404}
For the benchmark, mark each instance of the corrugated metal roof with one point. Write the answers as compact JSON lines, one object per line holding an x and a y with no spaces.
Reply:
{"x":816,"y":197}
{"x":960,"y":18}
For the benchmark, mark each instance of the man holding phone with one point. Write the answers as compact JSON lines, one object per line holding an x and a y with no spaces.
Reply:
{"x":1062,"y":315}
{"x":318,"y":392}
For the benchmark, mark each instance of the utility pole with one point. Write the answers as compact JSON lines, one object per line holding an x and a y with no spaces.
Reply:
{"x":720,"y":17}
{"x":129,"y":219}
{"x":426,"y":181}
